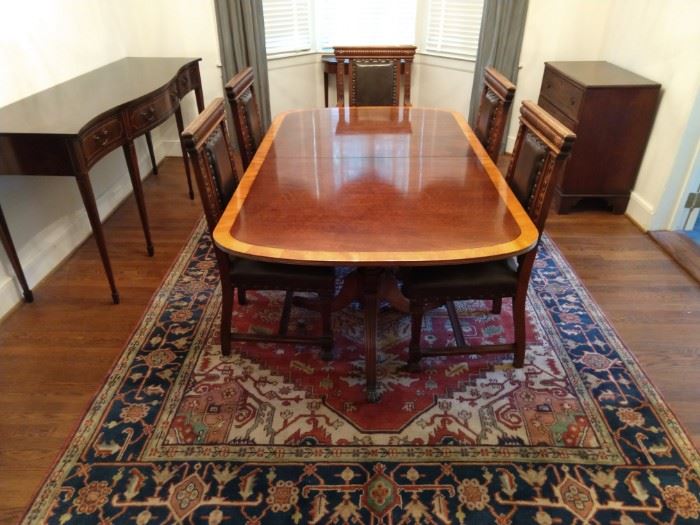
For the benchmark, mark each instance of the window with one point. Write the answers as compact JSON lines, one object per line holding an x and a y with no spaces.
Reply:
{"x":287,"y":26}
{"x":365,"y":22}
{"x":452,"y":27}
{"x":448,"y":27}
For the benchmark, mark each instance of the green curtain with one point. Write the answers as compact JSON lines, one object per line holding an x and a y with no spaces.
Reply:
{"x":242,"y":44}
{"x":500,"y":40}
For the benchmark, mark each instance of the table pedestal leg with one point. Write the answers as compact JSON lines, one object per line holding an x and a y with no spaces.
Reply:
{"x":133,"y":165}
{"x":370,"y":278}
{"x":14,"y":260}
{"x":91,"y":207}
{"x":370,"y":285}
{"x":180,"y":128}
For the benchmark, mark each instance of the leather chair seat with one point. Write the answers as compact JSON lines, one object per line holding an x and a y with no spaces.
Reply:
{"x":264,"y":275}
{"x":460,"y":280}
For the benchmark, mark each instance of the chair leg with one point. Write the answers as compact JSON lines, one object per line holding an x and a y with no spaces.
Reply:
{"x":496,"y":305}
{"x":414,"y":353}
{"x":327,"y":326}
{"x":226,"y":314}
{"x":454,"y":321}
{"x":242,"y":299}
{"x":519,"y":326}
{"x":286,"y":312}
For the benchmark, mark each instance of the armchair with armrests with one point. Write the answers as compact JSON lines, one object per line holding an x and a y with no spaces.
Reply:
{"x":217,"y":167}
{"x":541,"y":150}
{"x":375,"y":74}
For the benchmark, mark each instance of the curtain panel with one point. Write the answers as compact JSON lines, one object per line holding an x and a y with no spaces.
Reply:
{"x":500,"y":41}
{"x":242,"y":44}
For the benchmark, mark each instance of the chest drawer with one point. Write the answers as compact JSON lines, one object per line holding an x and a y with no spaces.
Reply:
{"x":562,"y":93}
{"x":102,"y":138}
{"x":152,"y":112}
{"x":557,"y":114}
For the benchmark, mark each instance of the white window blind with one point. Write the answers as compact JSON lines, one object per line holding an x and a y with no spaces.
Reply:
{"x":365,"y":22}
{"x":287,"y":26}
{"x":453,"y":27}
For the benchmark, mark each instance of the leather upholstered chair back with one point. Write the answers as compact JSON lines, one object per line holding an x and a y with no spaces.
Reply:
{"x":541,"y":149}
{"x":496,"y":98}
{"x":375,"y":75}
{"x":217,"y":165}
{"x":245,"y":113}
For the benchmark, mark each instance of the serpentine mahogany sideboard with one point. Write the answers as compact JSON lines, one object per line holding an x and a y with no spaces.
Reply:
{"x":67,"y":128}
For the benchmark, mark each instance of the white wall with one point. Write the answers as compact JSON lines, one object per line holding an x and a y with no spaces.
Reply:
{"x":661,"y":41}
{"x":176,"y":28}
{"x":658,"y":40}
{"x":45,"y":42}
{"x":555,"y":30}
{"x":443,"y":83}
{"x":297,"y":83}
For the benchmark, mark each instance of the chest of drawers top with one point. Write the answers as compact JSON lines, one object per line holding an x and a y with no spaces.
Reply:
{"x":599,"y":74}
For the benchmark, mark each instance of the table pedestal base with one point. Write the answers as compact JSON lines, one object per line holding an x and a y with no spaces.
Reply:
{"x":370,"y":285}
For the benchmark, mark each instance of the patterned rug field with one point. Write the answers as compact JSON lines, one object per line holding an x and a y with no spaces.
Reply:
{"x":273,"y":434}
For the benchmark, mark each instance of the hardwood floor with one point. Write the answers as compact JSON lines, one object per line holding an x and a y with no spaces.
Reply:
{"x":55,"y":352}
{"x":681,"y":248}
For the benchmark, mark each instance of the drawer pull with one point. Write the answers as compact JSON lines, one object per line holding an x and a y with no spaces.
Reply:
{"x":149,"y":114}
{"x":573,"y":101}
{"x":102,"y":138}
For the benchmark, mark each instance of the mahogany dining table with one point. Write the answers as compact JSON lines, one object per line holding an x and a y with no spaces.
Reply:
{"x":373,"y":188}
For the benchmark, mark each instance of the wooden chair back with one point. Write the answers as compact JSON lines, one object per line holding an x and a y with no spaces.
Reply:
{"x":245,"y":113}
{"x":375,"y":74}
{"x":496,"y":99}
{"x":541,"y":150}
{"x":217,"y":166}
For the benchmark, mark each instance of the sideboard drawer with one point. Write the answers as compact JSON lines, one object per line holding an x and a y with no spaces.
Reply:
{"x":152,"y":112}
{"x":186,"y":80}
{"x":101,"y":138}
{"x":563,"y":94}
{"x":556,"y":113}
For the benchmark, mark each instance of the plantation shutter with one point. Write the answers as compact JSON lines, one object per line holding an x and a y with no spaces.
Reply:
{"x":365,"y":22}
{"x":453,"y":27}
{"x":287,"y":26}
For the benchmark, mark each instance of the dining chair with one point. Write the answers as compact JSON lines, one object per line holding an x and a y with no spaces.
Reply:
{"x":217,"y":167}
{"x":375,"y":74}
{"x":541,"y":149}
{"x":245,"y":113}
{"x":494,"y":106}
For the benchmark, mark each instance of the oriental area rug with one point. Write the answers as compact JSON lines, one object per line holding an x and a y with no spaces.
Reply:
{"x":274,"y":435}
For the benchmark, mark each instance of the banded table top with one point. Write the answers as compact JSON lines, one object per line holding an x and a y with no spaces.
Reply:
{"x":373,"y":186}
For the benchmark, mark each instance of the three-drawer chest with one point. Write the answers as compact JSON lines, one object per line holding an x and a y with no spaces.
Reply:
{"x":611,"y":110}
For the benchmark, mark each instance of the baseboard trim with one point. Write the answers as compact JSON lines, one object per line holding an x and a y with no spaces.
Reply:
{"x":171,"y":148}
{"x":640,"y":211}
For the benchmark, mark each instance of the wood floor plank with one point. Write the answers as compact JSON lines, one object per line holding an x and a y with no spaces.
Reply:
{"x":54,"y":353}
